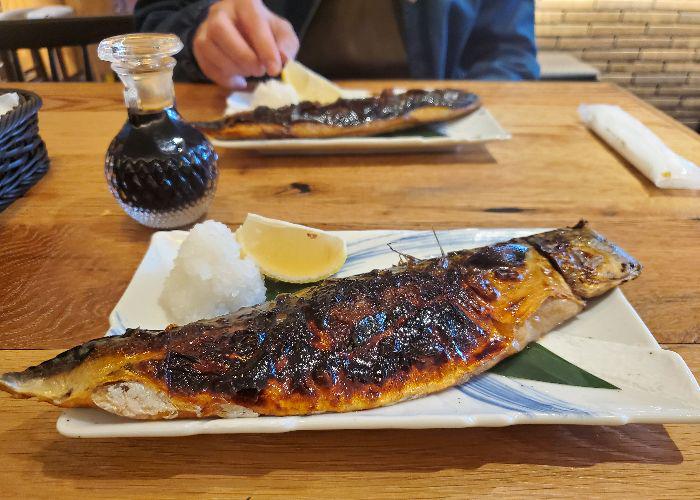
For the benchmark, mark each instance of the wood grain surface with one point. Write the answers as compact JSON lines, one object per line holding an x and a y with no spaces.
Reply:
{"x":67,"y":252}
{"x":646,"y":461}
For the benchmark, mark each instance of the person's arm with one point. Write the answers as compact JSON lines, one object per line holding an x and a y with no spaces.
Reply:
{"x":225,"y":40}
{"x":502,"y":43}
{"x":180,"y":17}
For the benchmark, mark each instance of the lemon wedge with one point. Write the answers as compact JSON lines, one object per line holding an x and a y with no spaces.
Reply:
{"x":310,"y":86}
{"x":290,"y":252}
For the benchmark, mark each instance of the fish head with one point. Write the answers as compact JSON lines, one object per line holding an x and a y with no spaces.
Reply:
{"x":590,"y":264}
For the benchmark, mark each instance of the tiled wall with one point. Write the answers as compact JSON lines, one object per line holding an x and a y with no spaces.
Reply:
{"x":652,"y":47}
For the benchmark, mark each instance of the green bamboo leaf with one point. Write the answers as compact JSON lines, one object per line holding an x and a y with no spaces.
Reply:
{"x":536,"y":362}
{"x":274,"y":287}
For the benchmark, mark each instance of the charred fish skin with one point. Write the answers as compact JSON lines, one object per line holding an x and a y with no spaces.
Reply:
{"x":367,"y":116}
{"x":347,"y":344}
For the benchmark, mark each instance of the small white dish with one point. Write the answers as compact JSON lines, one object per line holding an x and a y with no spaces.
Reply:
{"x":608,"y":340}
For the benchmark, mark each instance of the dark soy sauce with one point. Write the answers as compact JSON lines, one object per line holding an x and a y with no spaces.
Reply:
{"x":159,"y":165}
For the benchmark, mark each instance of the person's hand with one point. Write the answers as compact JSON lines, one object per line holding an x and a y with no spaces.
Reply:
{"x":241,"y":38}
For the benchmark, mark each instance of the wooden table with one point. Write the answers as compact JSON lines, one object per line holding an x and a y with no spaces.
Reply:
{"x":67,"y":252}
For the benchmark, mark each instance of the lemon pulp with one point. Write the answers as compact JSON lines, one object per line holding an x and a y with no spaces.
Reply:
{"x":291,"y":252}
{"x":310,"y":86}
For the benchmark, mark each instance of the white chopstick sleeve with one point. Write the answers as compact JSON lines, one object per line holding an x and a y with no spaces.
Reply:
{"x":641,"y":147}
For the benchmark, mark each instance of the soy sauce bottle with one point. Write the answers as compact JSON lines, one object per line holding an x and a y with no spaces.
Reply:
{"x":161,"y":170}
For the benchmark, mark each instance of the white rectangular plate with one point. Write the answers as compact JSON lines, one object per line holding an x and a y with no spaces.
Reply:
{"x":608,"y":339}
{"x":478,"y":127}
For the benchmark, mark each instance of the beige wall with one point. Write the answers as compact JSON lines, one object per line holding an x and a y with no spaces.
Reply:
{"x":651,"y":47}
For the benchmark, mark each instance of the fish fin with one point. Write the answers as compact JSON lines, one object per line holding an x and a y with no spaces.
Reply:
{"x":404,"y":258}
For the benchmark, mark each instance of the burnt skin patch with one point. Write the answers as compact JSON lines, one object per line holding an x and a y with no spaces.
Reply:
{"x":367,"y":327}
{"x":180,"y":375}
{"x":350,"y":112}
{"x":494,"y":346}
{"x":345,"y":334}
{"x":500,"y":255}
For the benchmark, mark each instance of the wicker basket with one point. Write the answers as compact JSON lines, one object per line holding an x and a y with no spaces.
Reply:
{"x":23,"y":157}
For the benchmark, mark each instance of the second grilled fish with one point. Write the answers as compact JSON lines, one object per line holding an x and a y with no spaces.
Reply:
{"x":387,"y":112}
{"x":347,"y":344}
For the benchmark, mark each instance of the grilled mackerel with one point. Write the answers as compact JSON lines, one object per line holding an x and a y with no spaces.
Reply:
{"x":347,"y":344}
{"x":387,"y":112}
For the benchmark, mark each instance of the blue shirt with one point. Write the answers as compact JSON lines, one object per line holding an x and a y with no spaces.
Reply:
{"x":445,"y":39}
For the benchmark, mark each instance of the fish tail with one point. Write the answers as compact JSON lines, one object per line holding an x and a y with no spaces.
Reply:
{"x":51,"y":380}
{"x":11,"y":383}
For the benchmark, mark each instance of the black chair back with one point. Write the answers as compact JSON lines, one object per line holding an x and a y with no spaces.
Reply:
{"x":53,"y":34}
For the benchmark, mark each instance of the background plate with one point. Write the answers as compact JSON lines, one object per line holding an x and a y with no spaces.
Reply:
{"x":476,"y":128}
{"x":608,"y":339}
